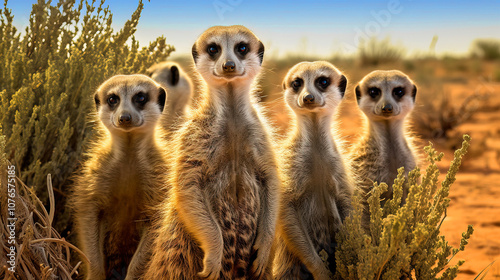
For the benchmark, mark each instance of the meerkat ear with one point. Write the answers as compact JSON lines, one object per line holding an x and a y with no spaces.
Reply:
{"x":174,"y":77}
{"x":161,"y":98}
{"x":284,"y":85}
{"x":194,"y":52}
{"x":97,"y":101}
{"x":358,"y":93}
{"x":414,"y":92}
{"x":261,"y":52}
{"x":342,"y":85}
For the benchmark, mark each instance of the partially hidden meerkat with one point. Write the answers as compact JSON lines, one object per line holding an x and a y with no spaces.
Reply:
{"x":386,"y":98}
{"x":219,"y":222}
{"x":179,"y":92}
{"x":316,"y":188}
{"x":122,"y":180}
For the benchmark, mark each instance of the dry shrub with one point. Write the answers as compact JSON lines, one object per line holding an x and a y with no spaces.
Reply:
{"x":403,"y":242}
{"x":441,"y":116}
{"x":374,"y":52}
{"x":488,"y":49}
{"x":41,"y":253}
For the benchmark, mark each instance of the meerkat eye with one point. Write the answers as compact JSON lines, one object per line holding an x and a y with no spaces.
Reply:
{"x":323,"y":82}
{"x":399,"y":92}
{"x":374,"y":92}
{"x":113,"y":100}
{"x":242,"y":48}
{"x":140,"y":98}
{"x":212,"y":49}
{"x":296,"y":84}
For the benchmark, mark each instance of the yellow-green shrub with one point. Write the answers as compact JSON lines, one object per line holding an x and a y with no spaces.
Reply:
{"x":47,"y":77}
{"x":403,"y":240}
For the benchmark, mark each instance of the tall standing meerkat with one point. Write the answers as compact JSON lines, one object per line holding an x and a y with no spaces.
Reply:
{"x":179,"y":92}
{"x":316,"y":189}
{"x":385,"y":98}
{"x":122,"y":180}
{"x":221,"y":215}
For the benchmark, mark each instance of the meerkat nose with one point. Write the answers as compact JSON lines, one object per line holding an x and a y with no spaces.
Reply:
{"x":387,"y":108}
{"x":125,"y":119}
{"x":228,"y":66}
{"x":309,"y":99}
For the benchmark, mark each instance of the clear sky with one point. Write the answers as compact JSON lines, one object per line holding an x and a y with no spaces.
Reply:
{"x":319,"y":28}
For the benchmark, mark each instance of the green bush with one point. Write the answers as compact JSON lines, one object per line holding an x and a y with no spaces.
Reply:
{"x":403,"y":240}
{"x":47,"y":79}
{"x":488,"y":49}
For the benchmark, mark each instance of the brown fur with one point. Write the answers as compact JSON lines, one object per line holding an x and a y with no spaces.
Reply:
{"x":316,"y":187}
{"x":220,"y":219}
{"x":122,"y":179}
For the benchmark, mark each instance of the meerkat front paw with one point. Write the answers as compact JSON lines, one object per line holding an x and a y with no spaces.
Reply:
{"x":212,"y":266}
{"x":320,"y":272}
{"x":262,"y":260}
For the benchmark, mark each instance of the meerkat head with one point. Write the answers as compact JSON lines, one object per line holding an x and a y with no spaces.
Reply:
{"x":384,"y":95}
{"x":314,"y":87}
{"x":228,"y":53}
{"x":172,"y":78}
{"x":129,"y":103}
{"x":167,"y":73}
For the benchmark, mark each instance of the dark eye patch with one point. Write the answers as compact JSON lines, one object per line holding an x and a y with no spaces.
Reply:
{"x":297,"y":83}
{"x":374,"y":92}
{"x":140,"y":99}
{"x":113,"y":100}
{"x":242,"y":48}
{"x":213,"y":49}
{"x":399,"y":92}
{"x":322,"y":83}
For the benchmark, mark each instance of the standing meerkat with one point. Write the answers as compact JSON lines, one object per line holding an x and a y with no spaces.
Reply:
{"x":221,"y":215}
{"x":179,"y":92}
{"x":122,"y":179}
{"x":385,"y":98}
{"x":316,"y":189}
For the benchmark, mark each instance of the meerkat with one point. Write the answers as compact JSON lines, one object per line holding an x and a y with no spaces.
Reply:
{"x":122,"y":180}
{"x":220,"y":219}
{"x":179,"y":92}
{"x":386,"y":98}
{"x":316,"y":188}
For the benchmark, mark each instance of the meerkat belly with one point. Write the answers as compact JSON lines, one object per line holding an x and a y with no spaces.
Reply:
{"x":322,"y":220}
{"x":237,"y":205}
{"x":125,"y":219}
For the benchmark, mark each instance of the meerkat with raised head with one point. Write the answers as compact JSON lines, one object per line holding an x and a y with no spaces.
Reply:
{"x":316,"y":188}
{"x":386,"y":98}
{"x":179,"y":92}
{"x":220,"y":219}
{"x":122,"y":180}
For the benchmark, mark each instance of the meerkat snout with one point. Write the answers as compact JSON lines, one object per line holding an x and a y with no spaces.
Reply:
{"x":228,"y":66}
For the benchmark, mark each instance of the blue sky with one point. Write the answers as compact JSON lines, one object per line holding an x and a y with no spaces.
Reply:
{"x":319,"y":28}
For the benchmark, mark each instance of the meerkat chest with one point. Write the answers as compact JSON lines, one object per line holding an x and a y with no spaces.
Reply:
{"x":395,"y":154}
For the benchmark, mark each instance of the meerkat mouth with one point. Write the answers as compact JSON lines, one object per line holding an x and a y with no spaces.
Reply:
{"x":229,"y":76}
{"x":310,"y":106}
{"x":128,"y":127}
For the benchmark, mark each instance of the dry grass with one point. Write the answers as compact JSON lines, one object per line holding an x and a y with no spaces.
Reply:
{"x":41,"y":252}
